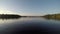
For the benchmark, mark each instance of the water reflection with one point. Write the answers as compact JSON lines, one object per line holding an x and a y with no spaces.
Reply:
{"x":10,"y":18}
{"x":29,"y":25}
{"x":53,"y":19}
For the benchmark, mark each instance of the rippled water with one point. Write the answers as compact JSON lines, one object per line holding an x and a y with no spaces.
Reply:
{"x":29,"y":25}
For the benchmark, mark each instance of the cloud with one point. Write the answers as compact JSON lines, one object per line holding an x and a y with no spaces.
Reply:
{"x":2,"y":11}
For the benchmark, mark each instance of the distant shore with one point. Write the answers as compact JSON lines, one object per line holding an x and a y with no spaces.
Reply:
{"x":9,"y":16}
{"x":49,"y":16}
{"x":52,"y":16}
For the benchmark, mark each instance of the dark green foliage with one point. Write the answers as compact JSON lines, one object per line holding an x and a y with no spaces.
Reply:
{"x":9,"y":16}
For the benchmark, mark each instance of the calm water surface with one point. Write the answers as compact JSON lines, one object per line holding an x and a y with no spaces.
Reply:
{"x":24,"y":25}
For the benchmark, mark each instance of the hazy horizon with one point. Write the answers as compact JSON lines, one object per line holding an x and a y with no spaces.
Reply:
{"x":29,"y":7}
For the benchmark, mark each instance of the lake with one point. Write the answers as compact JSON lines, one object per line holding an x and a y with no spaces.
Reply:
{"x":29,"y":25}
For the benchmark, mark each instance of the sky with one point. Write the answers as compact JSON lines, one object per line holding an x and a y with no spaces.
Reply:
{"x":29,"y":7}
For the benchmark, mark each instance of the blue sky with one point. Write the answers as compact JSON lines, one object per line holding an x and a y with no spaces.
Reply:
{"x":30,"y":7}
